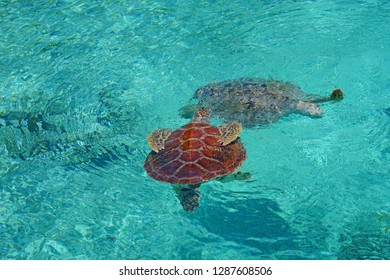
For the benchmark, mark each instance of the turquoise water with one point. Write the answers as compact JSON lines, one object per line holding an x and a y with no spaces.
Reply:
{"x":83,"y":83}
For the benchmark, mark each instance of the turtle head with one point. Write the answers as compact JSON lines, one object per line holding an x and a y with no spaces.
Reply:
{"x":337,"y":94}
{"x":203,"y":112}
{"x":202,"y":115}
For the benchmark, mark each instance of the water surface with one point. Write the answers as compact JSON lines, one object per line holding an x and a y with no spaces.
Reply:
{"x":82,"y":85}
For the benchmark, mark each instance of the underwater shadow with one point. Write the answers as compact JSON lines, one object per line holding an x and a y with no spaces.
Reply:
{"x":254,"y":223}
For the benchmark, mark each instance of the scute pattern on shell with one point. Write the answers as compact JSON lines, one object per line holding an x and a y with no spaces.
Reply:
{"x":193,"y":155}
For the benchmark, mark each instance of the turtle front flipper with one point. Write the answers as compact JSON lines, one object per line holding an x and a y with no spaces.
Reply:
{"x":157,"y":138}
{"x":229,"y":132}
{"x":309,"y":108}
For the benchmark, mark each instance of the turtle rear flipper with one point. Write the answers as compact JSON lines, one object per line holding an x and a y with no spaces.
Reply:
{"x":189,"y":197}
{"x":238,"y":176}
{"x":187,"y":112}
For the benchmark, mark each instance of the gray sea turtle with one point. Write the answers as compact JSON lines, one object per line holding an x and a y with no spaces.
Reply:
{"x":51,"y":128}
{"x":194,"y":153}
{"x":257,"y":101}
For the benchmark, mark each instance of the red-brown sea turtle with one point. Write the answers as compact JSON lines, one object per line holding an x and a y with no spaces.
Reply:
{"x":257,"y":101}
{"x":194,"y":153}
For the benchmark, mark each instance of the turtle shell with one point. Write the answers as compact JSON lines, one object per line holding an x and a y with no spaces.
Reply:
{"x":253,"y":101}
{"x":193,"y":155}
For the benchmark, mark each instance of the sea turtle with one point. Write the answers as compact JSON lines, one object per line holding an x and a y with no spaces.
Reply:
{"x":194,"y":153}
{"x":50,"y":128}
{"x":257,"y":101}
